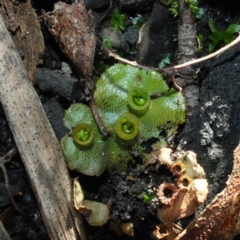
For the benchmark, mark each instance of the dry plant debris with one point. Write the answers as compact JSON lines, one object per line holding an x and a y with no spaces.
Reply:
{"x":3,"y":160}
{"x":95,"y":213}
{"x":73,"y":28}
{"x":181,"y":198}
{"x":220,"y":219}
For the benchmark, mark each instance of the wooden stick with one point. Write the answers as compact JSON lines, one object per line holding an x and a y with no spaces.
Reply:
{"x":37,"y":145}
{"x":3,"y":233}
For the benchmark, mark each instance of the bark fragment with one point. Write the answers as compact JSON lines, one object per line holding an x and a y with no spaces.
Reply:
{"x":22,"y":22}
{"x":187,"y":46}
{"x":73,"y":28}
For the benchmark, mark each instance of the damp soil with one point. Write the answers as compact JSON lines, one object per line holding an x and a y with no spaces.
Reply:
{"x":212,"y":133}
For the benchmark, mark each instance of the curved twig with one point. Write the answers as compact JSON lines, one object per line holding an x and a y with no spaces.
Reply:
{"x":176,"y":67}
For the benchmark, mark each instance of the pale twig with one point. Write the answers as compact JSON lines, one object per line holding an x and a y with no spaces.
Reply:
{"x":175,"y":84}
{"x":212,"y":55}
{"x":176,"y":67}
{"x":5,"y":159}
{"x":98,"y":119}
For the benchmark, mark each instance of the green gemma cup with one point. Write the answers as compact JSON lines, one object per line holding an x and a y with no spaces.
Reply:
{"x":83,"y":134}
{"x":139,"y":100}
{"x":127,"y":126}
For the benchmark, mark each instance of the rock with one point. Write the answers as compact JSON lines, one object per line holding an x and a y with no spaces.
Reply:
{"x":66,"y":69}
{"x":4,"y":199}
{"x":131,"y":35}
{"x":156,"y":37}
{"x":214,"y":132}
{"x":60,"y":84}
{"x":96,"y":4}
{"x":55,"y":114}
{"x":137,"y":3}
{"x":116,"y":38}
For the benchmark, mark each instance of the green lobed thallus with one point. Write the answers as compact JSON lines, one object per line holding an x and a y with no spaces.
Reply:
{"x":123,"y":99}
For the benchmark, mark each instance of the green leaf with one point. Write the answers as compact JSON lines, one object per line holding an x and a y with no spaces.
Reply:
{"x":216,"y":36}
{"x":219,"y":36}
{"x":233,"y":28}
{"x":213,"y":26}
{"x":227,"y":37}
{"x":211,"y":46}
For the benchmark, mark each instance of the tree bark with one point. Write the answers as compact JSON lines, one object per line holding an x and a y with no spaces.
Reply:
{"x":22,"y":22}
{"x":187,"y":48}
{"x":37,"y":145}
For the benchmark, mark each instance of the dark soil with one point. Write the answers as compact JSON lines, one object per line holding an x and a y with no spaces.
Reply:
{"x":213,"y":132}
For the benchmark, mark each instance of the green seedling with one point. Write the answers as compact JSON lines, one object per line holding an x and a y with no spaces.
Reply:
{"x":221,"y":37}
{"x":117,"y":20}
{"x":148,"y":198}
{"x":173,"y":7}
{"x":107,"y":43}
{"x":192,"y":5}
{"x":139,"y":21}
{"x":167,"y":58}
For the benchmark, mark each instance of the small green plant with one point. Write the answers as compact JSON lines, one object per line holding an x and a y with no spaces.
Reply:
{"x":117,"y":20}
{"x":147,"y":198}
{"x":107,"y":43}
{"x":167,"y":58}
{"x":100,"y":68}
{"x":133,"y":50}
{"x":218,"y":36}
{"x":192,"y":5}
{"x":131,"y":117}
{"x":173,"y":7}
{"x":139,"y":21}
